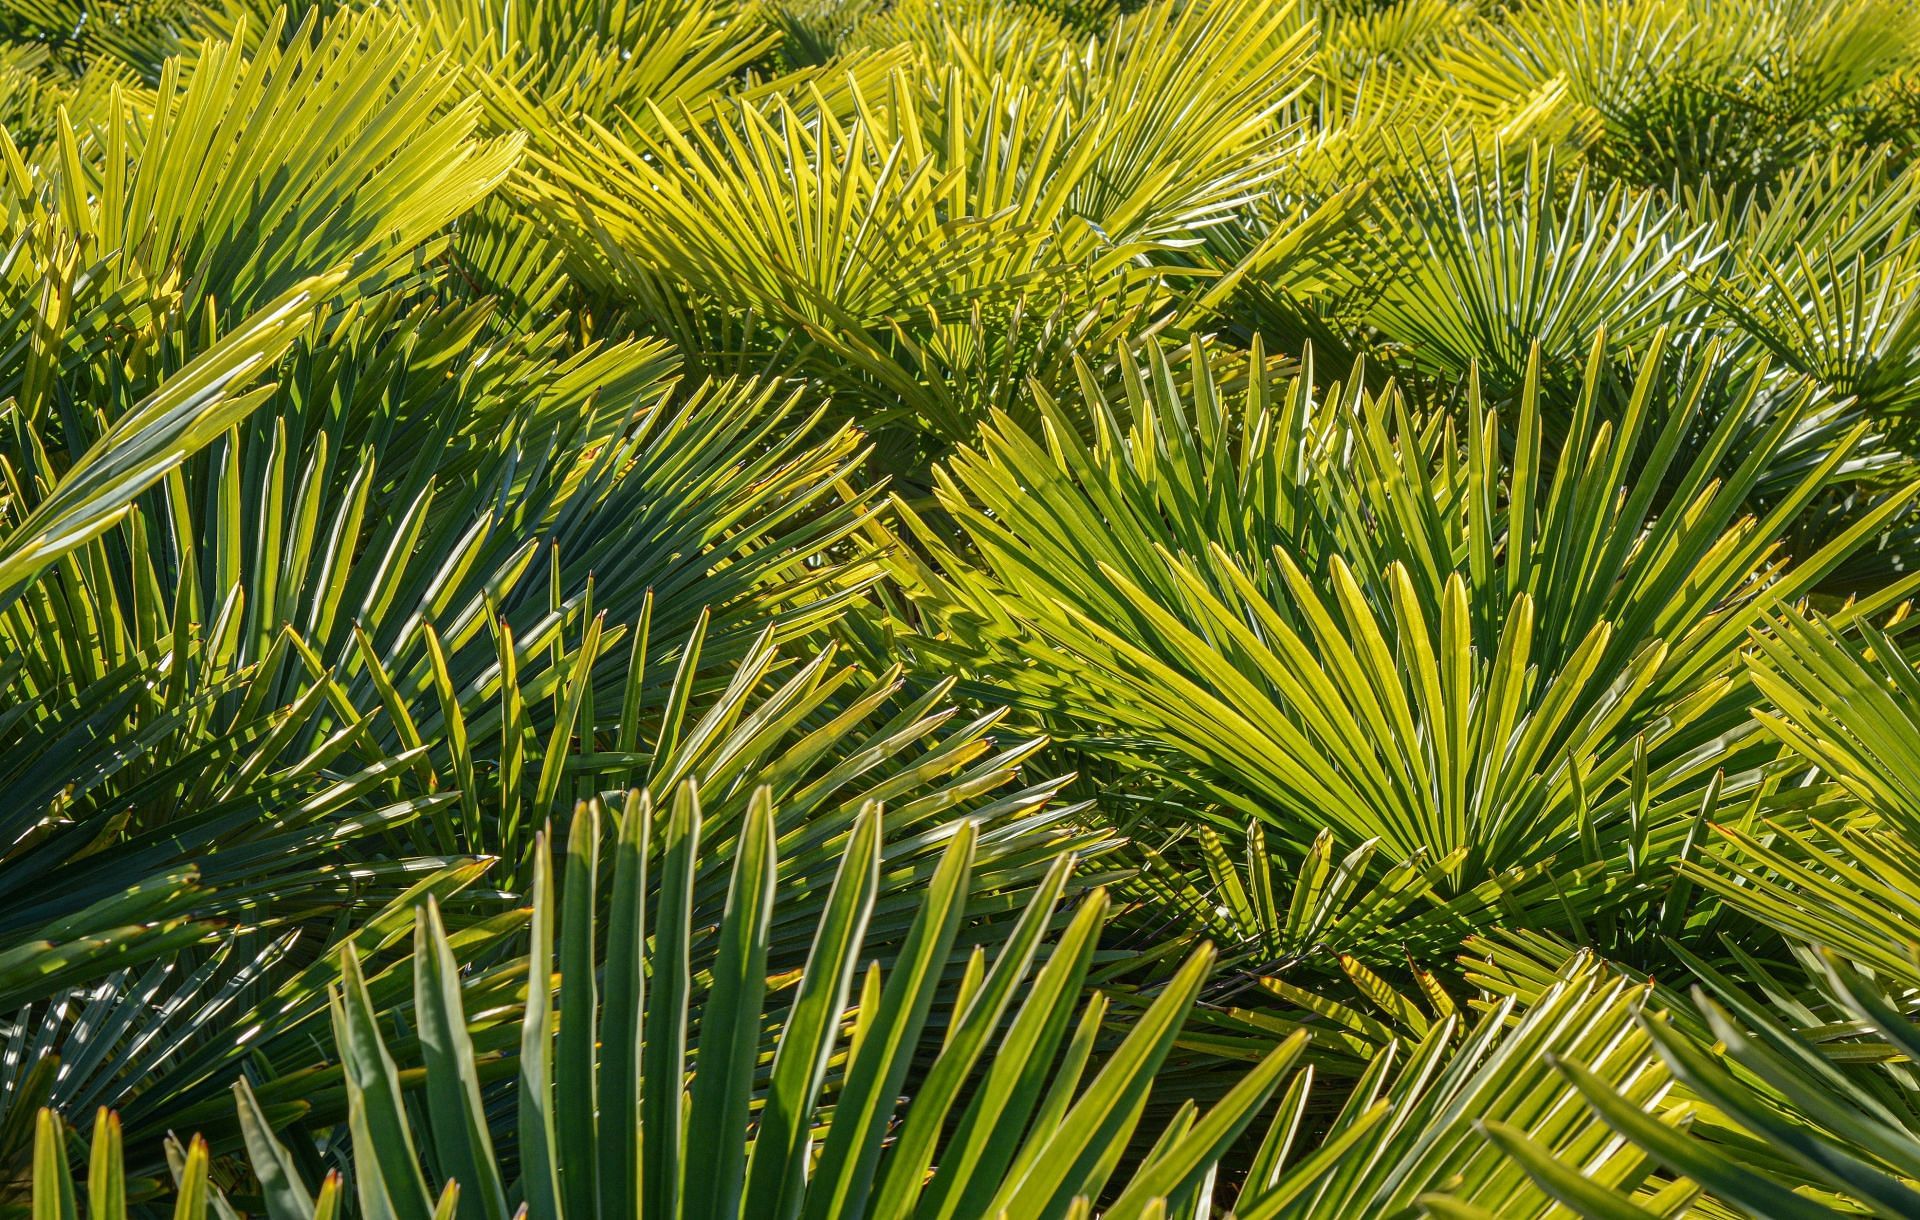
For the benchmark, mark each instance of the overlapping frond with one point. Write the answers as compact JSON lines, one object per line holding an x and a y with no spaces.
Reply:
{"x":1196,"y":608}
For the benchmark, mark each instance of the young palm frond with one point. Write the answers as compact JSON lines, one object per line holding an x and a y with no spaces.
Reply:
{"x":1439,"y":641}
{"x":889,"y":236}
{"x":1477,"y":269}
{"x":615,"y":1121}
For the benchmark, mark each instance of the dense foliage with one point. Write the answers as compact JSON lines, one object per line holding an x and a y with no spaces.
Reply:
{"x":959,"y":608}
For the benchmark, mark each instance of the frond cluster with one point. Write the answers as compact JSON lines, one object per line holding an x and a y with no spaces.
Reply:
{"x":959,"y":608}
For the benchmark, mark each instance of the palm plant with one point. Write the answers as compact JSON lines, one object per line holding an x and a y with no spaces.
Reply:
{"x":931,"y":238}
{"x":1281,"y":593}
{"x":232,"y":746}
{"x":1483,"y":264}
{"x":125,"y":789}
{"x":659,"y":1139}
{"x":1794,"y":1095}
{"x":1330,"y":579}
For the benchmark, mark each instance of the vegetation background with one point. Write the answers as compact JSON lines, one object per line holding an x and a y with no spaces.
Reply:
{"x":959,"y":608}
